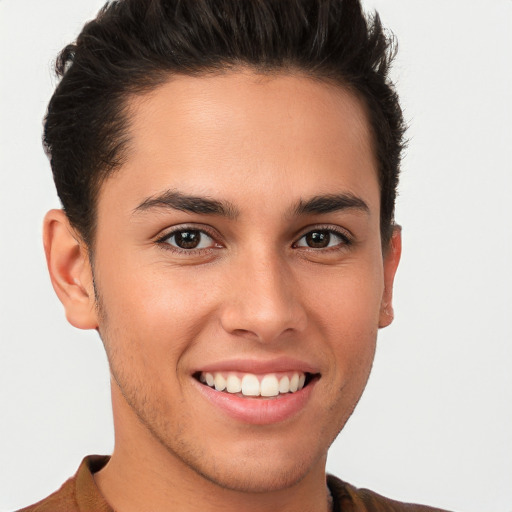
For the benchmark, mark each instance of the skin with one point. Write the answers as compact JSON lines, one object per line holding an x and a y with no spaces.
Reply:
{"x":256,"y":291}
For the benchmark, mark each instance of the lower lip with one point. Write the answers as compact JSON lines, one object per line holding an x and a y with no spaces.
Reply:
{"x":258,"y":411}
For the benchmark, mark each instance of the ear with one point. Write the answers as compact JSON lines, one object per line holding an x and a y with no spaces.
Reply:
{"x":70,"y":270}
{"x":391,"y":260}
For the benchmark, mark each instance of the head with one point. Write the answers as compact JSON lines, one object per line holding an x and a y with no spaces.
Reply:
{"x":133,"y":46}
{"x":228,"y":173}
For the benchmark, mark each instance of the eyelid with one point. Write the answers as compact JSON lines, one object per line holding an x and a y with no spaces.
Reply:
{"x":345,"y":234}
{"x":201,"y":228}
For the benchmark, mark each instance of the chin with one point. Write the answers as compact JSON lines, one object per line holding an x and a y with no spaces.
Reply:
{"x":254,"y":466}
{"x":257,"y":477}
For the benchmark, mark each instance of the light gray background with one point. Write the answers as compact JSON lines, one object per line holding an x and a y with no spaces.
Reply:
{"x":435,"y":424}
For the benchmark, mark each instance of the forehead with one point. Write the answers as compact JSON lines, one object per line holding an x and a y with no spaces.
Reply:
{"x":233,"y":133}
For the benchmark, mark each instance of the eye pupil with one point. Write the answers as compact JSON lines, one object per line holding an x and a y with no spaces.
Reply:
{"x":318,"y":239}
{"x":187,"y":239}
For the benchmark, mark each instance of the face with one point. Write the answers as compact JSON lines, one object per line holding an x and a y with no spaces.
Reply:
{"x":239,"y":247}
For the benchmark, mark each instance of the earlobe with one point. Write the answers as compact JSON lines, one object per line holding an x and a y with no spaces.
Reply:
{"x":391,"y":260}
{"x":70,"y":271}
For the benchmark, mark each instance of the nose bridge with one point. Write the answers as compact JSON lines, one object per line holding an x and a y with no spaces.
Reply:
{"x":264,"y":299}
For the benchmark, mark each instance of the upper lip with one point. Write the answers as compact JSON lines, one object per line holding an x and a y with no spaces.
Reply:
{"x":260,"y":366}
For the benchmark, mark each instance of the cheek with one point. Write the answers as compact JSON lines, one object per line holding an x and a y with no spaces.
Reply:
{"x":348,"y":298}
{"x":157,"y":313}
{"x":346,"y":312}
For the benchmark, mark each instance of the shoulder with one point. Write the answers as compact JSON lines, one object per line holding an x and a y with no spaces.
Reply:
{"x":77,"y":494}
{"x":63,"y":500}
{"x":346,"y":497}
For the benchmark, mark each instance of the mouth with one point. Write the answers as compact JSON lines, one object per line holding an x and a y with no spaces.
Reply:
{"x":258,"y":392}
{"x":251,"y":385}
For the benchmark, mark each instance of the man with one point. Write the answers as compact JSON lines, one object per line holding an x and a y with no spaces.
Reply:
{"x":228,"y":172}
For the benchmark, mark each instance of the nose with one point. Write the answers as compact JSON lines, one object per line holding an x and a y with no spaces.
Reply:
{"x":264,"y":301}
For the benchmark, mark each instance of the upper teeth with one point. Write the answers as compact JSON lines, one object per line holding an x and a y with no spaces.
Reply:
{"x":254,"y":385}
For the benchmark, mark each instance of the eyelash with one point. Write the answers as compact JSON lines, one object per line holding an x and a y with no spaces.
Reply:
{"x":163,"y":240}
{"x":347,"y":240}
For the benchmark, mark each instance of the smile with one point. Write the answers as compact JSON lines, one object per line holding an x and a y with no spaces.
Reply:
{"x":252,"y":385}
{"x":257,"y":395}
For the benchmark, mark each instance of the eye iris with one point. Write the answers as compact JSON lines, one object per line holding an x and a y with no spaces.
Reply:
{"x":318,"y":239}
{"x":187,"y":239}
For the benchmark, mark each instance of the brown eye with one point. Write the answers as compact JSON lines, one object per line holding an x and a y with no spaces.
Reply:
{"x":188,"y":239}
{"x":318,"y":239}
{"x":322,"y":239}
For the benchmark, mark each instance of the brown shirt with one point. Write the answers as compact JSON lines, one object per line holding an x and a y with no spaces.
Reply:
{"x":80,"y":494}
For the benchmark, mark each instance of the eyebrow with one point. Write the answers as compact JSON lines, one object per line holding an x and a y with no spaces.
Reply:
{"x":188,"y":203}
{"x":330,"y":203}
{"x":318,"y":205}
